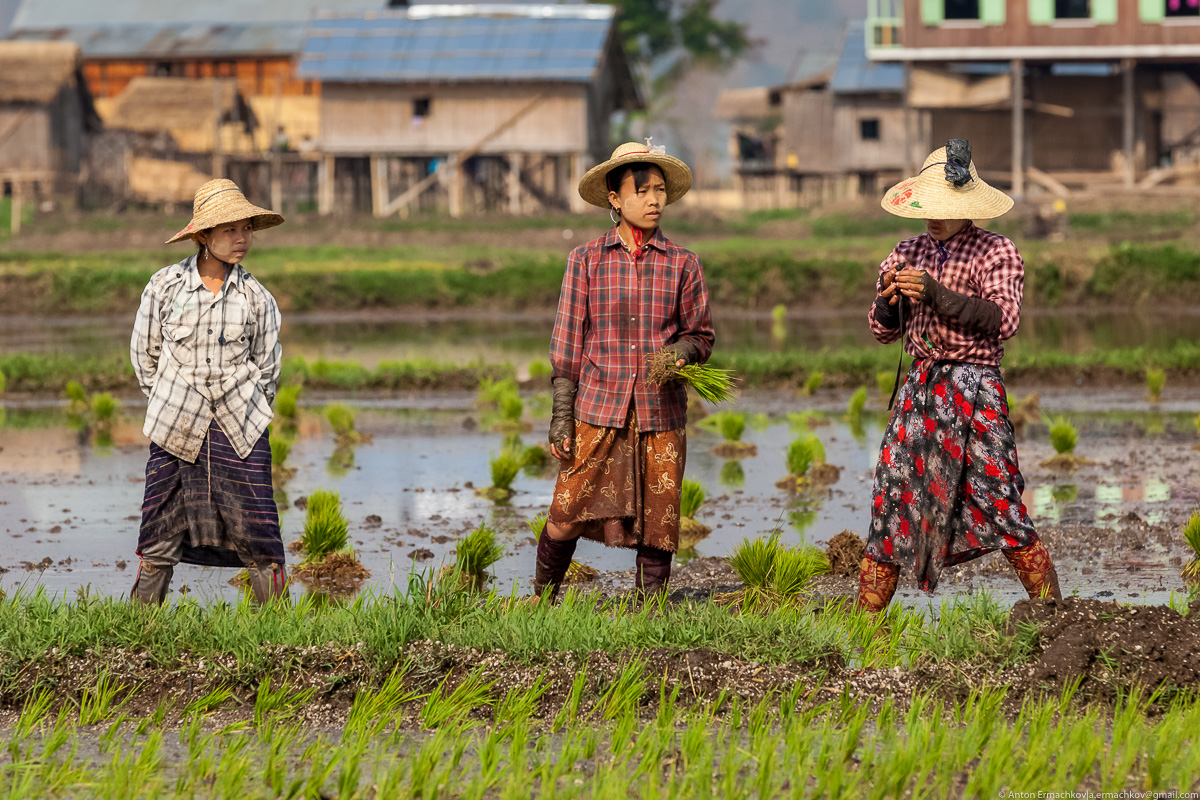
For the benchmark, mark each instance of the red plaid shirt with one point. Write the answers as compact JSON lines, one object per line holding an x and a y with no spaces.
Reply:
{"x":974,"y":262}
{"x":614,"y":311}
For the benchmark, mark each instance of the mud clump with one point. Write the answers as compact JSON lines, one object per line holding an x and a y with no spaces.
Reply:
{"x":337,"y":572}
{"x":1112,"y":647}
{"x":845,"y":552}
{"x":735,"y":450}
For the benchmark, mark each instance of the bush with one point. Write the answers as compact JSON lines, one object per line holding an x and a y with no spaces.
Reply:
{"x":326,"y":529}
{"x":692,"y":497}
{"x":1063,"y":436}
{"x":803,"y":453}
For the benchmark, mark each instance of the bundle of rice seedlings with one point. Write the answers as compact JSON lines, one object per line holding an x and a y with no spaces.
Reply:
{"x":857,"y":401}
{"x":78,"y":397}
{"x":326,"y":529}
{"x":287,"y":404}
{"x":1156,"y":379}
{"x":1063,"y":438}
{"x":504,"y":468}
{"x":539,"y":369}
{"x":795,"y":568}
{"x":1191,"y":533}
{"x":492,"y":391}
{"x":806,"y":465}
{"x":713,"y":384}
{"x":281,"y":448}
{"x":474,"y":556}
{"x":576,"y":572}
{"x":753,"y":560}
{"x":731,"y":425}
{"x":813,"y":382}
{"x":104,"y":408}
{"x":773,"y":575}
{"x":341,"y":418}
{"x":691,"y":530}
{"x":732,"y":474}
{"x":779,"y":323}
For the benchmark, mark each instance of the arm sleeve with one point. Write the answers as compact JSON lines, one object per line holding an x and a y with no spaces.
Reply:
{"x":571,"y":322}
{"x":145,"y":346}
{"x":885,"y":325}
{"x":266,"y":351}
{"x":695,"y":316}
{"x":1003,"y":283}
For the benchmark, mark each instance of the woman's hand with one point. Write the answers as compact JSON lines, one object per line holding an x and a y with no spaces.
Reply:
{"x":916,"y":284}
{"x":562,"y":418}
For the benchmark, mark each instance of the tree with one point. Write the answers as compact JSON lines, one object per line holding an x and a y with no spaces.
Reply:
{"x":651,"y":29}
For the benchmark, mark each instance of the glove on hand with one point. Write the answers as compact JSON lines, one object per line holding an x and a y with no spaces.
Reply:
{"x":562,"y":414}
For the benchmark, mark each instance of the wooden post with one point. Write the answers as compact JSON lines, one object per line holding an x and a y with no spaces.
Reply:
{"x":514,"y":183}
{"x":1129,"y":120}
{"x":16,"y":207}
{"x":456,"y":187}
{"x":910,"y":160}
{"x":379,"y":186}
{"x":1018,"y":127}
{"x":326,"y":192}
{"x":578,"y":168}
{"x":277,"y":183}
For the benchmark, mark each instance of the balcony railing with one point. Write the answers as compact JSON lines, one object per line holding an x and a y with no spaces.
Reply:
{"x":885,"y":18}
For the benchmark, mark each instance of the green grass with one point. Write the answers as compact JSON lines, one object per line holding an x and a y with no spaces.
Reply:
{"x":1063,"y":436}
{"x":692,"y":496}
{"x":326,"y":529}
{"x":805,"y":452}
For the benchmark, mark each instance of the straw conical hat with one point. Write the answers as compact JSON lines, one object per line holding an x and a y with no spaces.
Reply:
{"x":220,"y":201}
{"x":594,"y":187}
{"x":930,"y":196}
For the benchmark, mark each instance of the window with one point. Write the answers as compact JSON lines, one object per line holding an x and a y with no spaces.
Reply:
{"x":962,"y":9}
{"x":868,"y":130}
{"x":421,"y":107}
{"x":1183,"y":8}
{"x":1072,"y":9}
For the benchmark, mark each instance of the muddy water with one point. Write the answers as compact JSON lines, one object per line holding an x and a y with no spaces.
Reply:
{"x":69,"y":509}
{"x":519,"y":338}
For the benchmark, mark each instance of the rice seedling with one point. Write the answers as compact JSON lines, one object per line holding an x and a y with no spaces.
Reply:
{"x":801,"y":421}
{"x":711,"y":383}
{"x":372,"y":711}
{"x":795,"y":568}
{"x":504,"y":468}
{"x":287,"y":403}
{"x":857,"y":401}
{"x":281,"y":448}
{"x":1063,"y":436}
{"x":492,"y":391}
{"x":625,"y":693}
{"x":753,"y":560}
{"x":1156,"y":380}
{"x":732,"y":474}
{"x":208,"y":703}
{"x":100,"y":702}
{"x":1191,"y":534}
{"x":104,"y":408}
{"x":804,"y":452}
{"x":512,"y":407}
{"x":885,"y":382}
{"x":326,"y":529}
{"x":692,"y":496}
{"x":773,"y":575}
{"x":730,"y":424}
{"x":442,"y":706}
{"x":475,"y":554}
{"x":342,"y":418}
{"x":539,"y":369}
{"x":279,"y":704}
{"x":813,"y":382}
{"x":3,"y":382}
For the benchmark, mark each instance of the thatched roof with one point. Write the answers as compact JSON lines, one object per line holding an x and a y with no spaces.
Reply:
{"x":165,"y":104}
{"x":33,"y":72}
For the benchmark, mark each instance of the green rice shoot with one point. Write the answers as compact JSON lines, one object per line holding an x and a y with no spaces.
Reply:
{"x":287,"y":403}
{"x":476,"y":553}
{"x":1156,"y":380}
{"x":692,"y":496}
{"x":804,"y":453}
{"x":326,"y":529}
{"x":104,"y":407}
{"x":773,"y":574}
{"x":77,"y":395}
{"x":341,"y":418}
{"x":800,"y":421}
{"x":537,"y":525}
{"x":505,"y":467}
{"x":1063,"y":436}
{"x":813,"y":382}
{"x":712,"y":383}
{"x":3,"y":381}
{"x":857,"y":401}
{"x":1191,"y":533}
{"x":794,"y":569}
{"x":730,"y":424}
{"x":511,"y":407}
{"x":492,"y":391}
{"x":779,"y":313}
{"x":754,"y":559}
{"x":281,"y":448}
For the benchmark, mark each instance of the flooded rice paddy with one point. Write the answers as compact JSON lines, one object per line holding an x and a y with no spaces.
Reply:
{"x":69,"y":509}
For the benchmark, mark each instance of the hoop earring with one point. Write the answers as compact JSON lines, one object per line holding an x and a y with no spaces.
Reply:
{"x":616,"y":220}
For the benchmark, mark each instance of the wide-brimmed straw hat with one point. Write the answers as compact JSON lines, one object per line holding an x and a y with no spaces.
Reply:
{"x":594,"y":186}
{"x":931,"y":195}
{"x":220,"y":201}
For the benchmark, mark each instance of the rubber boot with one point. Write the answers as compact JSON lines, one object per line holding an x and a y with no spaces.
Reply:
{"x":268,"y":582}
{"x":1036,"y":570}
{"x":653,"y":572}
{"x":553,"y":560}
{"x":876,"y":585}
{"x":151,"y":583}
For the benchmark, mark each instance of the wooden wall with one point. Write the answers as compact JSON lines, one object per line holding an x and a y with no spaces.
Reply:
{"x":1018,"y":31}
{"x":45,"y":138}
{"x":256,"y":76}
{"x":378,"y":118}
{"x":808,"y":138}
{"x":887,"y":154}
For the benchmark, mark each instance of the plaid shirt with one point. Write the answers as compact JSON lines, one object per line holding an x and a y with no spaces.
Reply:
{"x":186,"y":373}
{"x":973,"y":262}
{"x":617,"y":308}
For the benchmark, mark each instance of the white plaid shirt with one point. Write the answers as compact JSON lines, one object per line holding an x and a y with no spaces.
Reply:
{"x":186,"y":373}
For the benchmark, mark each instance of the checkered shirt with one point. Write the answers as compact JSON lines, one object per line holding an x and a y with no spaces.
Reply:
{"x":617,"y":308}
{"x":186,"y":373}
{"x":973,"y":262}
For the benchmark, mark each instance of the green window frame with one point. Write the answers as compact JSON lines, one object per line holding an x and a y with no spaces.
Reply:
{"x":991,"y":12}
{"x":1153,"y":10}
{"x":1103,"y":12}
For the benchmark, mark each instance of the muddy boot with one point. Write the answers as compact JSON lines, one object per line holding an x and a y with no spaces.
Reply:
{"x":1036,"y":570}
{"x":876,"y":585}
{"x":553,"y":560}
{"x":268,"y":582}
{"x":653,"y":572}
{"x":151,"y":584}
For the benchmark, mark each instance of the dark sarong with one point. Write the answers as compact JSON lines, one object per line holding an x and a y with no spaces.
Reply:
{"x":222,"y":505}
{"x":623,"y":486}
{"x":948,"y":486}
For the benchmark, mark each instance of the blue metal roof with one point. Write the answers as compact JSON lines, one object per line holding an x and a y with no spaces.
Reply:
{"x":551,"y":43}
{"x":7,"y":9}
{"x":857,"y":74}
{"x":51,"y":14}
{"x":176,"y":41}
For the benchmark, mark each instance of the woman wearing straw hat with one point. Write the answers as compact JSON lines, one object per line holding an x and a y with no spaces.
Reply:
{"x":207,"y":355}
{"x":948,"y":486}
{"x":621,"y":440}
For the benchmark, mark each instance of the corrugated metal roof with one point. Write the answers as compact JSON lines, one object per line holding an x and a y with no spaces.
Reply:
{"x":459,"y":43}
{"x":855,"y":73}
{"x":7,"y":9}
{"x":178,"y":41}
{"x":50,"y":14}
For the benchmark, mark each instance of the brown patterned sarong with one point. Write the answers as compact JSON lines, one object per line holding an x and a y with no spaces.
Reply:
{"x":623,"y":486}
